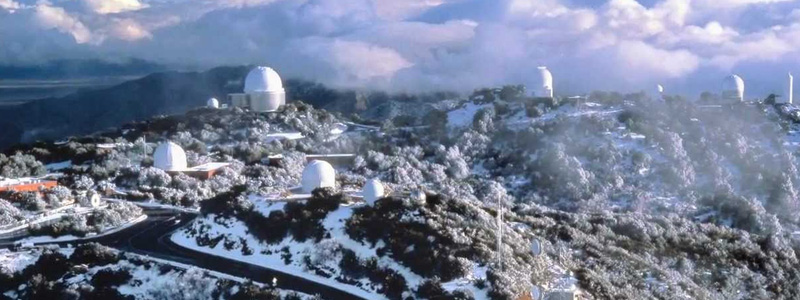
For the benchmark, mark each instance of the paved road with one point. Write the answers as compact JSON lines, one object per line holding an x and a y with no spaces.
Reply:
{"x":152,"y":238}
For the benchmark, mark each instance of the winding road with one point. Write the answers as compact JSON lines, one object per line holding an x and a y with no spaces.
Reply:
{"x":152,"y":238}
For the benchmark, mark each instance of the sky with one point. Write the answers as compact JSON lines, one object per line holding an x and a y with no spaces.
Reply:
{"x":688,"y":46}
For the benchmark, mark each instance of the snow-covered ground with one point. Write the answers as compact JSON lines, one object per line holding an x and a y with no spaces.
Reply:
{"x":153,"y":279}
{"x":272,"y":256}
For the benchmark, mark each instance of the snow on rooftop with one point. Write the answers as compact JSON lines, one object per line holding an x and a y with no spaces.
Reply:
{"x":284,"y":136}
{"x":209,"y":166}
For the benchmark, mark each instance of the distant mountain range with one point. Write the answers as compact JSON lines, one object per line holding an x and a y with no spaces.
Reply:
{"x":162,"y":93}
{"x":74,"y":68}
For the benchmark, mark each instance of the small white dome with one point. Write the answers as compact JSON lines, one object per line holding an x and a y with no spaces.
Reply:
{"x":170,"y":157}
{"x":419,"y":197}
{"x":544,"y":83}
{"x":263,"y":80}
{"x":536,"y":247}
{"x":658,"y":92}
{"x":318,"y":174}
{"x":733,"y":88}
{"x":212,"y":103}
{"x":373,"y":190}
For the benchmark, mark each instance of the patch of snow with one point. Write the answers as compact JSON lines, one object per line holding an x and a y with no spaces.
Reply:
{"x":58,"y":166}
{"x":462,"y":117}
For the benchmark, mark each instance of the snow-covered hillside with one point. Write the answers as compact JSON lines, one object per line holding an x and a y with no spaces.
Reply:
{"x":622,"y":196}
{"x":91,"y":271}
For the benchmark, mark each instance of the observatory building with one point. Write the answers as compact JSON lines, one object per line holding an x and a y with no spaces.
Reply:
{"x":544,"y":84}
{"x":318,"y":174}
{"x":658,"y":92}
{"x":212,"y":103}
{"x":263,"y":91}
{"x":788,"y":92}
{"x":733,"y":88}
{"x":372,"y":191}
{"x":170,"y":157}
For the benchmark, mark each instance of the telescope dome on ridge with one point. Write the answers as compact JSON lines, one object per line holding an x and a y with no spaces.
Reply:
{"x":263,"y":79}
{"x":212,"y":103}
{"x":263,"y":91}
{"x":544,"y":83}
{"x":733,"y":88}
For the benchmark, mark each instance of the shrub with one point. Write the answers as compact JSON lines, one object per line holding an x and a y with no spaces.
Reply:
{"x":94,"y":254}
{"x":110,"y":278}
{"x":253,"y":292}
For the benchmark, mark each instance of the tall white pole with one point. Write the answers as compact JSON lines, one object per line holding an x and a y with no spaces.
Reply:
{"x":790,"y":90}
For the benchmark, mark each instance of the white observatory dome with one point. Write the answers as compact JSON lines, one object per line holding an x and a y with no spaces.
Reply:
{"x":733,"y":88}
{"x":263,"y":80}
{"x":213,"y":103}
{"x":544,"y":84}
{"x":169,"y":157}
{"x":658,"y":92}
{"x":373,"y":190}
{"x":318,"y":174}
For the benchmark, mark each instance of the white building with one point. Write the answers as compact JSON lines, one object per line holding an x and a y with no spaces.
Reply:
{"x":318,"y":174}
{"x":658,"y":92}
{"x":544,"y":84}
{"x":212,"y":103}
{"x":788,"y":92}
{"x":733,"y":88}
{"x":91,"y":199}
{"x":170,"y":157}
{"x":263,"y":91}
{"x":372,"y":191}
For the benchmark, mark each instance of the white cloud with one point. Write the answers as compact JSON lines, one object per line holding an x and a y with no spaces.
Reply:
{"x":346,"y":62}
{"x":9,"y":5}
{"x":428,"y":44}
{"x":113,"y":6}
{"x":639,"y":57}
{"x":51,"y":17}
{"x":128,"y":30}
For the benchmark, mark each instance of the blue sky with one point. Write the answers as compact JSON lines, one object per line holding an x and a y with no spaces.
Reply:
{"x":410,"y":45}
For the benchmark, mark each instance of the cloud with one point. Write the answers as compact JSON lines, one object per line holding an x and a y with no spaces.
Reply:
{"x":113,"y":6}
{"x":9,"y":5}
{"x":51,"y":17}
{"x":128,"y":30}
{"x":428,"y":44}
{"x":346,"y":61}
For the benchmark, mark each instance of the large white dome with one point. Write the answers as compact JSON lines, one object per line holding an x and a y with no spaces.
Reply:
{"x":733,"y":88}
{"x":263,"y":80}
{"x":170,"y":157}
{"x":212,"y":103}
{"x":544,"y":83}
{"x":318,"y":174}
{"x":373,"y":190}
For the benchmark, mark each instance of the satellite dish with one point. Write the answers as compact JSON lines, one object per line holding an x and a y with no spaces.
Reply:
{"x":536,"y":247}
{"x":536,"y":292}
